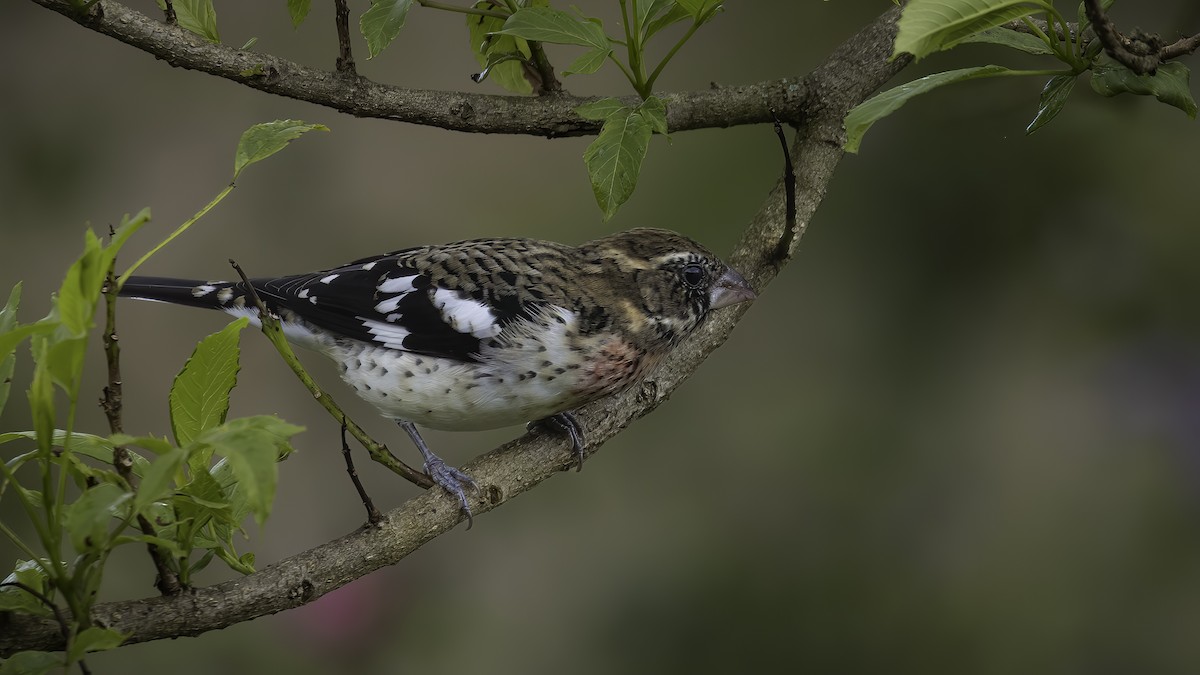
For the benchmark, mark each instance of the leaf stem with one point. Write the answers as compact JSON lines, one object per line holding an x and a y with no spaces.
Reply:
{"x":628,"y":74}
{"x":178,"y":231}
{"x":462,"y":10}
{"x":671,"y":54}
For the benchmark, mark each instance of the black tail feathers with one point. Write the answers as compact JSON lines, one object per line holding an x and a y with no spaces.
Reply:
{"x":220,"y":295}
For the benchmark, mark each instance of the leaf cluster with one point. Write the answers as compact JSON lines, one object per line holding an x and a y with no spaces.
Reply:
{"x":929,"y":26}
{"x":194,"y":489}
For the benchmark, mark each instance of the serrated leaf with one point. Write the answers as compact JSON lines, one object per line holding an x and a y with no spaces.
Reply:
{"x":1169,"y":84}
{"x":654,"y":109}
{"x":199,"y":397}
{"x":614,"y":159}
{"x":263,"y":140}
{"x":1030,"y":44}
{"x":298,"y":10}
{"x":87,"y":519}
{"x":928,"y":26}
{"x":197,"y":16}
{"x":599,"y":110}
{"x":860,"y":119}
{"x":588,"y":62}
{"x":382,"y":23}
{"x":1050,"y":103}
{"x":32,"y":663}
{"x":94,"y":640}
{"x":252,"y":446}
{"x":545,"y":24}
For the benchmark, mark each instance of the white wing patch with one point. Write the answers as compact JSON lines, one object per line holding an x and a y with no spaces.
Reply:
{"x":397,"y":285}
{"x":389,"y":305}
{"x":201,"y":291}
{"x":329,"y":279}
{"x":464,"y":315}
{"x":387,"y":334}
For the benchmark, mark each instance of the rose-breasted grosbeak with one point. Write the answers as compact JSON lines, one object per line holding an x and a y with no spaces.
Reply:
{"x":488,"y":333}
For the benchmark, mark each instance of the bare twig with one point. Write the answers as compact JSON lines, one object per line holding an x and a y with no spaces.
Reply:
{"x":374,"y":517}
{"x":790,"y":235}
{"x":1140,"y":52}
{"x":167,"y":581}
{"x":345,"y":60}
{"x":849,"y":75}
{"x":169,"y":11}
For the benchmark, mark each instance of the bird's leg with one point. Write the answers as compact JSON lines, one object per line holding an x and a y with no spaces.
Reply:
{"x":565,"y":423}
{"x":449,"y":478}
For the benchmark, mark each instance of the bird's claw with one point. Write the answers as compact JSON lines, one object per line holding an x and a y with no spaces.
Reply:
{"x":566,"y":423}
{"x":454,"y":482}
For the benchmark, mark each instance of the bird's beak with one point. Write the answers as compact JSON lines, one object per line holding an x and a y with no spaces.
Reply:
{"x":730,"y":289}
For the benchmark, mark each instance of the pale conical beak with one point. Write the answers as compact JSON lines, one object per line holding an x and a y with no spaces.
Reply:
{"x":730,"y":289}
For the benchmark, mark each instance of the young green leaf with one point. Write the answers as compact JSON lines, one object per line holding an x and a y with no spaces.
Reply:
{"x":928,"y":26}
{"x":614,"y":159}
{"x":654,"y":109}
{"x":8,"y":357}
{"x":159,"y":481}
{"x":263,"y":140}
{"x":700,"y":10}
{"x":298,"y":10}
{"x":1030,"y":44}
{"x":489,"y":49}
{"x":31,"y":574}
{"x":1169,"y":84}
{"x":94,"y":640}
{"x":672,"y":16}
{"x":599,"y":110}
{"x":87,"y":519}
{"x":197,"y":16}
{"x":32,"y":663}
{"x":1054,"y":97}
{"x":545,"y":24}
{"x":382,"y":23}
{"x":199,"y":397}
{"x":881,"y":105}
{"x":41,"y":398}
{"x":588,"y":62}
{"x":75,"y":302}
{"x":253,"y":446}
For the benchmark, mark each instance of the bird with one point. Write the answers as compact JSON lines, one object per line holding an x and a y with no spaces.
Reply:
{"x":487,"y":333}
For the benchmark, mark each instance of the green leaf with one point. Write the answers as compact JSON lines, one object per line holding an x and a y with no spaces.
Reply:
{"x":75,"y":302}
{"x":928,"y":26}
{"x":94,"y":640}
{"x":673,"y":16}
{"x":599,"y":110}
{"x":382,"y":23}
{"x":545,"y":24}
{"x":648,"y":9}
{"x":491,"y":52}
{"x":159,"y":481}
{"x":589,"y":62}
{"x":1169,"y":84}
{"x":654,"y":109}
{"x":700,"y":10}
{"x":614,"y":159}
{"x":199,"y":397}
{"x":1030,"y":44}
{"x":8,"y":357}
{"x":197,"y":16}
{"x":245,"y":564}
{"x":32,"y":663}
{"x":88,"y":518}
{"x":881,"y":105}
{"x":263,"y":140}
{"x":32,"y":574}
{"x":169,"y":545}
{"x":41,"y":399}
{"x":298,"y":10}
{"x":253,"y":446}
{"x":1054,"y":97}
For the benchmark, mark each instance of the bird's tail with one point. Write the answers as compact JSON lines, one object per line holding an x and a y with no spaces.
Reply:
{"x":221,"y":295}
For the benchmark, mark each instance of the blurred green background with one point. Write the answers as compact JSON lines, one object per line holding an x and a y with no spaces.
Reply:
{"x":958,"y":434}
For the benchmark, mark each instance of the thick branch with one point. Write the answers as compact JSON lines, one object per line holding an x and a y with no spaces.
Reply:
{"x":551,"y":116}
{"x":856,"y":69}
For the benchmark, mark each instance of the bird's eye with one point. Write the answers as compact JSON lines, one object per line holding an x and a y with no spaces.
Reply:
{"x":693,"y":275}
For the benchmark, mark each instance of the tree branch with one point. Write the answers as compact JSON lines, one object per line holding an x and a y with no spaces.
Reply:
{"x":1141,"y":52}
{"x":550,"y":116}
{"x":852,"y":72}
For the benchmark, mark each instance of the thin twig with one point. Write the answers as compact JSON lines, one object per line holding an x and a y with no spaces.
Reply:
{"x":169,"y":11}
{"x":1140,"y":52}
{"x":378,"y":451}
{"x":790,"y":230}
{"x":374,"y":517}
{"x":345,"y":60}
{"x":167,"y":581}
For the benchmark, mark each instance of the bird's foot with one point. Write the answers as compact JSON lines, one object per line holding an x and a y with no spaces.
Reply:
{"x":565,"y":423}
{"x":453,"y":481}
